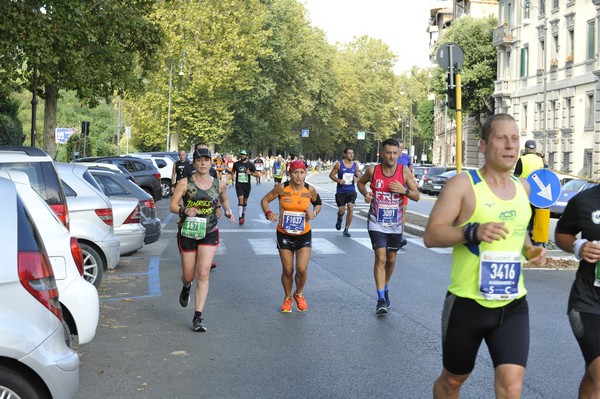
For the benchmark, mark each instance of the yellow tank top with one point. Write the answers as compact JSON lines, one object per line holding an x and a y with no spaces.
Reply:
{"x":479,"y":269}
{"x":530,"y":163}
{"x":293,"y":206}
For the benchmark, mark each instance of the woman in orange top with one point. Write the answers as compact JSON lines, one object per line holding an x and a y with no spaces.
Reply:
{"x":293,"y":231}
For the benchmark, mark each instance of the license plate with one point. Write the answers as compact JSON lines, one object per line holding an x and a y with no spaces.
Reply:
{"x":437,"y":187}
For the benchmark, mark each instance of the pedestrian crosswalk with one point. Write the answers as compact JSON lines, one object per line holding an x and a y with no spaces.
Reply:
{"x":320,"y":246}
{"x":328,"y":197}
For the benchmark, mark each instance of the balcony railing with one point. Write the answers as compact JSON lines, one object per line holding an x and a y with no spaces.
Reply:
{"x":503,"y":35}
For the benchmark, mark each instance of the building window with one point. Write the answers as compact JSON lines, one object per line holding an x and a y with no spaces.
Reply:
{"x":555,"y":46}
{"x":538,"y":116}
{"x":524,"y":61}
{"x":566,"y":165}
{"x":591,"y":40}
{"x":524,"y":119}
{"x":571,"y":42}
{"x":541,"y":53}
{"x":550,"y":159}
{"x":589,"y":111}
{"x":568,"y":112}
{"x":542,"y":7}
{"x":586,"y":171}
{"x":553,"y":115}
{"x":554,"y":5}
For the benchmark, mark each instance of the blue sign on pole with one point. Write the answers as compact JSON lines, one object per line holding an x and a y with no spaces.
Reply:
{"x":304,"y":132}
{"x":545,"y":188}
{"x":62,"y":134}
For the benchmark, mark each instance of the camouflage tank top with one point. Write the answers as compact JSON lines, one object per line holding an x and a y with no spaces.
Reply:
{"x":205,"y":201}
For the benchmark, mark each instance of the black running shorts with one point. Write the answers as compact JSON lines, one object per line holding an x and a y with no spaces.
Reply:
{"x":465,"y":323}
{"x":190,"y":245}
{"x":242,"y":190}
{"x":586,"y":328}
{"x":293,"y":242}
{"x":391,"y":242}
{"x":341,"y":199}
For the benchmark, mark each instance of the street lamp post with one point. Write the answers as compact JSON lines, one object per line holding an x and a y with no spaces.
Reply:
{"x":169,"y":106}
{"x":528,"y":6}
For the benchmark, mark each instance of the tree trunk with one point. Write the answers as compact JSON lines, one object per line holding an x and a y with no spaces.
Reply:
{"x":50,"y":105}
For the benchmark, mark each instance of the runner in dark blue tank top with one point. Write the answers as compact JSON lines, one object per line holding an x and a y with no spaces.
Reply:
{"x":344,"y":173}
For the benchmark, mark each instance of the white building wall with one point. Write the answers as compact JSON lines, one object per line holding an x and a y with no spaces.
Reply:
{"x":544,"y":59}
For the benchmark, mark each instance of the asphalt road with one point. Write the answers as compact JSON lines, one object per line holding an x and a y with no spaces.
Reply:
{"x":145,"y":348}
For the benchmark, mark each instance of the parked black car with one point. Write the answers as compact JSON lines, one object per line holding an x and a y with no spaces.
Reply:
{"x":433,"y":171}
{"x":143,"y":171}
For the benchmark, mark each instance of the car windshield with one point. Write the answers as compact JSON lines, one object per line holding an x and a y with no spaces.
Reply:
{"x":574,"y":185}
{"x":450,"y":173}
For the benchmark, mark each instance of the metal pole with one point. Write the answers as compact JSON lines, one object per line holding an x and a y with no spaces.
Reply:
{"x":119,"y":128}
{"x":410,"y":152}
{"x":445,"y":131}
{"x":34,"y":106}
{"x":545,"y":87}
{"x":169,"y":106}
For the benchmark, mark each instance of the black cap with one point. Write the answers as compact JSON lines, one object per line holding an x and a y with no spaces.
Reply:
{"x":202,"y":152}
{"x":530,"y":144}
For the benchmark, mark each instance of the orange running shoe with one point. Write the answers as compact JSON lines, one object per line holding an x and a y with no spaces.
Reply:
{"x":286,"y":306}
{"x":301,"y":302}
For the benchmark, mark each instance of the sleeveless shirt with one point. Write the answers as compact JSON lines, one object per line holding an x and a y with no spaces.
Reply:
{"x":346,"y":174}
{"x":206,"y":201}
{"x":467,"y":258}
{"x":385,"y":212}
{"x":291,"y":204}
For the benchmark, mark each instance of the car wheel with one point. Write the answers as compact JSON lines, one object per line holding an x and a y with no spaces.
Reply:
{"x":93,"y":266}
{"x":15,"y":385}
{"x":166,"y":187}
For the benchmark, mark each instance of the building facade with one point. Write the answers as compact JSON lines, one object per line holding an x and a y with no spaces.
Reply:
{"x":548,"y":78}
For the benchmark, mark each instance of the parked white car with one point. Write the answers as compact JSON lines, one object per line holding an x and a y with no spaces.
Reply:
{"x":78,"y":298}
{"x":127,"y":220}
{"x":91,"y":218}
{"x":36,"y":359}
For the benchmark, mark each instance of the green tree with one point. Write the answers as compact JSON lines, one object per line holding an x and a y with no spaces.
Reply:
{"x":478,"y":73}
{"x":11,"y":130}
{"x":94,"y":49}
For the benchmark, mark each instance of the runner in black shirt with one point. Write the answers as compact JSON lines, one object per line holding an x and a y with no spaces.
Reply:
{"x":582,"y":215}
{"x":182,"y":168}
{"x":242,"y":170}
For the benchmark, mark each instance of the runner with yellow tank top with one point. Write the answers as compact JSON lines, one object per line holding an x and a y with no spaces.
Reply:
{"x":293,"y":231}
{"x":483,"y":215}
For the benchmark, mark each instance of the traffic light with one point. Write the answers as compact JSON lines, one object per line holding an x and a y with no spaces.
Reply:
{"x":451,"y":90}
{"x":85,"y":128}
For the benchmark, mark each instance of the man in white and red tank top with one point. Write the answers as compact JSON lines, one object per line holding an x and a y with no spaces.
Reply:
{"x":389,"y":184}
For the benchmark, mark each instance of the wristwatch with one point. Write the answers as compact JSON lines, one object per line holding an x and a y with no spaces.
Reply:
{"x":407,"y":192}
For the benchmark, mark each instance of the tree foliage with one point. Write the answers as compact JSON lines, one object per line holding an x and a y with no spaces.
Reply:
{"x":93,"y":48}
{"x":474,"y":36}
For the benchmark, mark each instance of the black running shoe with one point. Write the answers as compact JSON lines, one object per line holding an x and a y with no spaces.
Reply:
{"x":198,"y":325}
{"x":184,"y":296}
{"x":386,"y":293}
{"x":381,"y":308}
{"x":338,"y":224}
{"x":403,"y":243}
{"x":347,"y":233}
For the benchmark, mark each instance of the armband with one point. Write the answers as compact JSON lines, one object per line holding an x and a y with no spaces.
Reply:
{"x":470,"y":233}
{"x":317,"y":201}
{"x":577,"y":247}
{"x":182,"y":211}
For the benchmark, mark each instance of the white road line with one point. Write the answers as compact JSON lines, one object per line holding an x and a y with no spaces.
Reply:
{"x":321,"y":246}
{"x":364,"y":241}
{"x":263,"y":246}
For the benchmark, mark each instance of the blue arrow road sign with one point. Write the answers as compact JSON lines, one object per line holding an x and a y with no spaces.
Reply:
{"x":545,"y":188}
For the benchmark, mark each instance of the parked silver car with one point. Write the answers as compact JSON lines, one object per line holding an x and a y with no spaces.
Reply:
{"x":91,"y":217}
{"x":115,"y":185}
{"x":78,"y":298}
{"x":36,"y":360}
{"x":127,"y":220}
